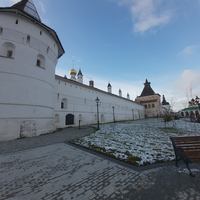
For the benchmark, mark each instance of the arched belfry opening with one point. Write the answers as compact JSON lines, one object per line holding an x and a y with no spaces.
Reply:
{"x":69,"y":119}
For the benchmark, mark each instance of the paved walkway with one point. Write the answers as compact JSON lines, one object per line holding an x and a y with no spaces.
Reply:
{"x":47,"y":168}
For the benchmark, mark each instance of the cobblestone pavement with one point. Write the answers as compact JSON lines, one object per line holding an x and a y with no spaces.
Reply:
{"x":65,"y":134}
{"x":61,"y":171}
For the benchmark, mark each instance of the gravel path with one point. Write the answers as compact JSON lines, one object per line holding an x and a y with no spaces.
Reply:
{"x":64,"y":135}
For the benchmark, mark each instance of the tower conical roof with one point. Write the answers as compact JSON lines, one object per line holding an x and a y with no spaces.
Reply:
{"x":27,"y":6}
{"x":147,"y":89}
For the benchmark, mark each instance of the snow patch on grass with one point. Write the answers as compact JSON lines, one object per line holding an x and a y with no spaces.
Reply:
{"x":138,"y":142}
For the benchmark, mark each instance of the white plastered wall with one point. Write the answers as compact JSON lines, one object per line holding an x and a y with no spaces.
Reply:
{"x":81,"y":101}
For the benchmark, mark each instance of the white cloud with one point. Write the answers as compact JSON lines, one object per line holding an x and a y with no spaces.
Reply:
{"x":186,"y":87}
{"x":146,"y":14}
{"x":188,"y":50}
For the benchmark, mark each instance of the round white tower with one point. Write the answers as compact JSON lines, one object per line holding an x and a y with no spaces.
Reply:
{"x":29,"y":51}
{"x":80,"y":76}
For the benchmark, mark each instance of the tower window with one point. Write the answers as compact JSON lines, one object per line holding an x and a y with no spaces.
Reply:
{"x":38,"y":63}
{"x":28,"y":39}
{"x":9,"y":54}
{"x":16,"y":22}
{"x":40,"y":32}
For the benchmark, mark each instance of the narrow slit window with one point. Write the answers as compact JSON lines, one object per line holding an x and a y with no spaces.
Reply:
{"x":28,"y":39}
{"x":16,"y":22}
{"x":1,"y":30}
{"x":40,"y":32}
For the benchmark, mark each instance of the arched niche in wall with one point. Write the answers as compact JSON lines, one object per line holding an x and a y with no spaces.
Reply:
{"x":102,"y":118}
{"x":64,"y":103}
{"x":41,"y":61}
{"x":8,"y":50}
{"x":56,"y":118}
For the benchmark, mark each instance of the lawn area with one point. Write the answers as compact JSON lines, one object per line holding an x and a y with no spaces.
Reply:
{"x":138,"y":142}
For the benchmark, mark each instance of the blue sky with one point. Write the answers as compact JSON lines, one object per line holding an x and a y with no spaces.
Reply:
{"x":127,"y":41}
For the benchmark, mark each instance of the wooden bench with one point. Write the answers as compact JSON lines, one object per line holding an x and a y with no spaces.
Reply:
{"x":186,"y":148}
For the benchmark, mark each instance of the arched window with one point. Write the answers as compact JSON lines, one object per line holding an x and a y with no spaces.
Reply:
{"x":145,"y":106}
{"x":182,"y":114}
{"x":1,"y":30}
{"x":153,"y":106}
{"x":40,"y":61}
{"x":69,"y":119}
{"x":56,"y":118}
{"x":28,"y":39}
{"x":187,"y":114}
{"x":149,"y":106}
{"x":64,"y":103}
{"x":7,"y":50}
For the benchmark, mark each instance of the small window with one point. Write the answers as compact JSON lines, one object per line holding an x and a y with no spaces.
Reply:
{"x":149,"y":105}
{"x":153,"y":106}
{"x":38,"y":63}
{"x":64,"y":104}
{"x":1,"y":30}
{"x":9,"y":54}
{"x":145,"y":106}
{"x":28,"y":39}
{"x":40,"y":32}
{"x":16,"y":22}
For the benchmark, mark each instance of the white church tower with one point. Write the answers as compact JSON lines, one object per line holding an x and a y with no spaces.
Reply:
{"x":109,"y":88}
{"x":80,"y":76}
{"x":29,"y":51}
{"x":120,"y":92}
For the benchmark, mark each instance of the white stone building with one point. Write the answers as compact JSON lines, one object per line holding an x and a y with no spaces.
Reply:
{"x":33,"y":100}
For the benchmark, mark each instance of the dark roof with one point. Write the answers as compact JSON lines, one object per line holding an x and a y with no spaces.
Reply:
{"x":164,"y":102}
{"x":109,"y":85}
{"x":80,"y":73}
{"x":23,"y":8}
{"x":28,"y":7}
{"x":147,"y":89}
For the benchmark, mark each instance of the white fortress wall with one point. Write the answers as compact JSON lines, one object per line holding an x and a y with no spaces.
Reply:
{"x":80,"y":101}
{"x":27,"y":90}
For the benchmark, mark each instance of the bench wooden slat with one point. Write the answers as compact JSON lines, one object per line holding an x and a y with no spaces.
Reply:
{"x":187,"y":148}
